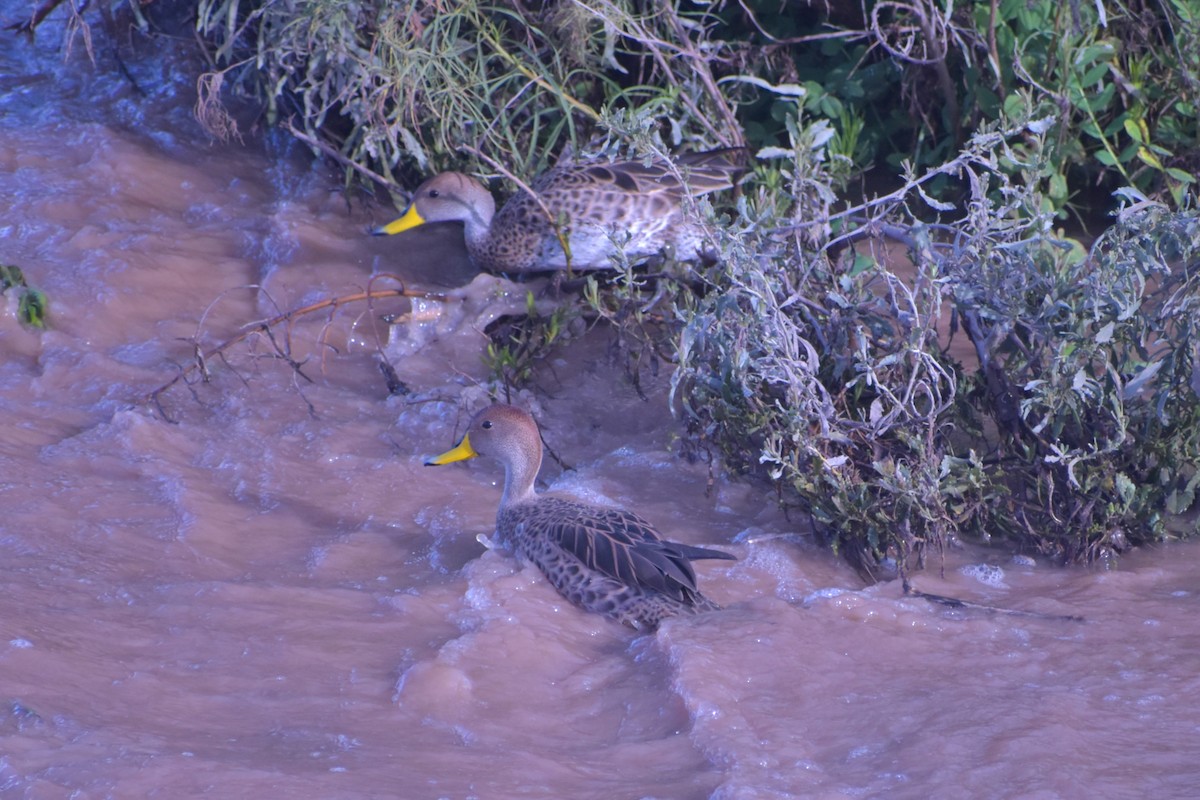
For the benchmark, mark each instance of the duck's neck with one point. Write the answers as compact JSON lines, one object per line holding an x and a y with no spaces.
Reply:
{"x":477,"y":226}
{"x":520,"y":473}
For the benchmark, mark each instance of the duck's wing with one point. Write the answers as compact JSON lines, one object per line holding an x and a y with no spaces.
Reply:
{"x":624,"y":192}
{"x":704,"y":172}
{"x":713,"y":170}
{"x":624,"y":546}
{"x":700,"y":553}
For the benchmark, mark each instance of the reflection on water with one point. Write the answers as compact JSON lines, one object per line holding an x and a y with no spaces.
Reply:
{"x":265,"y":597}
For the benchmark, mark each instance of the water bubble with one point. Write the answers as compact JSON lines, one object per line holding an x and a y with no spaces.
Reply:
{"x":987,"y":574}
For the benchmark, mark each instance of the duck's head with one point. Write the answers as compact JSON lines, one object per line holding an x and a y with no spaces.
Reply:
{"x":448,"y":197}
{"x":509,"y":435}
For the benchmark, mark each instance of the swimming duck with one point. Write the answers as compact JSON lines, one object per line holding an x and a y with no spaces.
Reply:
{"x":604,"y":560}
{"x":601,"y":208}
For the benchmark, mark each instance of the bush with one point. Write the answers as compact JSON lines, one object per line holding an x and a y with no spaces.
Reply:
{"x":1075,"y":433}
{"x":434,"y":85}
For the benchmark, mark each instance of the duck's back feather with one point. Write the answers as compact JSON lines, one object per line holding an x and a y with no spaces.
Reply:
{"x":597,"y":551}
{"x":630,"y":204}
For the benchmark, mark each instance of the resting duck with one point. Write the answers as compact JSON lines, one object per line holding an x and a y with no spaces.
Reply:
{"x":599,"y":208}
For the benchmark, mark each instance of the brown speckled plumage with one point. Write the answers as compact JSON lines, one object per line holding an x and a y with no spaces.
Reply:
{"x":598,"y":205}
{"x":604,"y":560}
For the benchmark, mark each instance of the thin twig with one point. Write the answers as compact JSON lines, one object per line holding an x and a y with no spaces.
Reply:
{"x":325,"y":149}
{"x":202,"y":357}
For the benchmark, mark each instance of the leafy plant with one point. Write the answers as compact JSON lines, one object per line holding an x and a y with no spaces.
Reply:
{"x":381,"y":86}
{"x":32,"y":303}
{"x":1076,"y":434}
{"x":517,"y":345}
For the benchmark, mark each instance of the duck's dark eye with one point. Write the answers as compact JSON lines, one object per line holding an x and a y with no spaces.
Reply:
{"x":486,"y":424}
{"x":433,"y":192}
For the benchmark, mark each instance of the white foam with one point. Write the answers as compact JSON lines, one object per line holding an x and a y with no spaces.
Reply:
{"x":987,"y":574}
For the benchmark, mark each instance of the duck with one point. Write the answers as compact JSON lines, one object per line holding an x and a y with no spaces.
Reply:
{"x":634,"y":207}
{"x":603,"y":560}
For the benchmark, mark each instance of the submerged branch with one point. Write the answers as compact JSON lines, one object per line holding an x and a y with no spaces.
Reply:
{"x":202,"y":357}
{"x":954,"y":602}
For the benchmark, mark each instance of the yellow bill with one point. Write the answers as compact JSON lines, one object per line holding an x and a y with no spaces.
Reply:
{"x":460,"y":453}
{"x":411,"y":219}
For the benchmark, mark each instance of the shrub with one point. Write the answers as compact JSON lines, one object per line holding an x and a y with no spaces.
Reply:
{"x":1077,"y":431}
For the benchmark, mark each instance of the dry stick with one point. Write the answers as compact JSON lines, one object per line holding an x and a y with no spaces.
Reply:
{"x":496,"y":165}
{"x":994,"y":50}
{"x":202,"y":357}
{"x":704,"y":72}
{"x":912,"y":183}
{"x":640,"y":34}
{"x":39,"y":14}
{"x":954,"y":602}
{"x":338,"y":157}
{"x":936,"y":49}
{"x":777,"y":42}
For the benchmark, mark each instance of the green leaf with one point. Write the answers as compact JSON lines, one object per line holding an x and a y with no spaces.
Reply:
{"x":1093,"y":76}
{"x":1126,"y":488}
{"x":774,"y":152}
{"x":1179,"y":501}
{"x":1146,"y":157}
{"x":1185,"y":9}
{"x":1180,"y":175}
{"x":830,"y":106}
{"x":32,"y":308}
{"x":1094,"y":53}
{"x":1014,"y":106}
{"x":1182,"y":499}
{"x":1134,"y":132}
{"x":1058,"y":187}
{"x":862,"y":262}
{"x":11,"y":276}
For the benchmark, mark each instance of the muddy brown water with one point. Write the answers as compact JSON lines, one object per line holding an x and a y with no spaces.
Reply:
{"x":257,"y":599}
